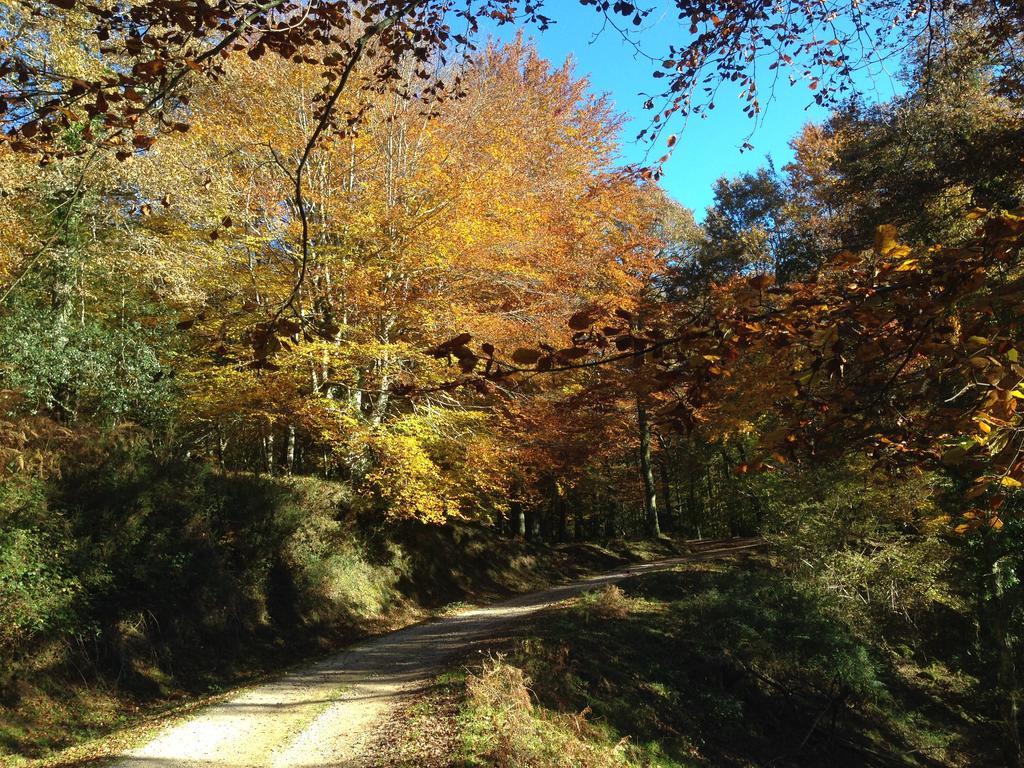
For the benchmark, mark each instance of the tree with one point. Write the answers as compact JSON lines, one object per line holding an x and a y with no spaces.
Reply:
{"x":921,"y":161}
{"x":647,"y":471}
{"x":138,"y":58}
{"x":750,"y":228}
{"x":420,"y":229}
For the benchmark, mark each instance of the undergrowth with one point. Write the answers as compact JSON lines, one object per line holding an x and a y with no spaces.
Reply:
{"x":715,"y":665}
{"x":501,"y":727}
{"x":137,"y":586}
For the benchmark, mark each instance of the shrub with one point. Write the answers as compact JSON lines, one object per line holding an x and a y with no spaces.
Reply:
{"x":151,"y":559}
{"x":502,"y":728}
{"x":867,"y":544}
{"x":738,"y":664}
{"x":609,"y":602}
{"x":38,"y":593}
{"x":37,"y":596}
{"x":333,"y":576}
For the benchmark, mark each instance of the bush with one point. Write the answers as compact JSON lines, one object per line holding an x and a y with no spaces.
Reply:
{"x":38,"y":594}
{"x":735,"y":664}
{"x":868,"y":545}
{"x":335,"y":579}
{"x":502,"y":729}
{"x":609,"y":602}
{"x":37,"y":597}
{"x":166,"y":565}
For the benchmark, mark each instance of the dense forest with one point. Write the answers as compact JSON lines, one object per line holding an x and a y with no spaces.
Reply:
{"x":317,"y":317}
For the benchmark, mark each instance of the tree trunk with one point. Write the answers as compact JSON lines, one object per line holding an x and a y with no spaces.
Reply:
{"x":691,"y":502}
{"x":268,"y":449}
{"x":666,"y":495}
{"x":562,"y":515}
{"x":1010,"y":698}
{"x":519,"y":515}
{"x":222,"y":447}
{"x":610,"y":523}
{"x":536,"y":525}
{"x":289,"y":455}
{"x":647,"y":472}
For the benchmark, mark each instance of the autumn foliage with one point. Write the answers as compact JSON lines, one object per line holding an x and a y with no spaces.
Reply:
{"x":365,"y":245}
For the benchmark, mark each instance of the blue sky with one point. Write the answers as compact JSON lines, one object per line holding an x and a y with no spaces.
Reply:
{"x":708,"y":148}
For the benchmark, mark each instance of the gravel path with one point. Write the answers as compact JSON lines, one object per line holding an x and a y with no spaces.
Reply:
{"x":325,"y":715}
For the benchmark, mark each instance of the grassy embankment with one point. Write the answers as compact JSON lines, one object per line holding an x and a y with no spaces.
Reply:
{"x":713,"y":664}
{"x":130,"y":598}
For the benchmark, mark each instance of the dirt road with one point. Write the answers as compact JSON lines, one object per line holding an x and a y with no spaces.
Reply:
{"x":324,"y":715}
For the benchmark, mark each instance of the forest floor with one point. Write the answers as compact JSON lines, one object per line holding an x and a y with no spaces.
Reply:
{"x":330,"y":713}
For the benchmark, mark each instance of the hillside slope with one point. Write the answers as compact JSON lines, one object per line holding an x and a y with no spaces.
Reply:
{"x":193,"y":604}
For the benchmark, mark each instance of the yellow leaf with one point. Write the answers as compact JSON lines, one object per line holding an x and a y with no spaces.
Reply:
{"x":1010,"y":482}
{"x":887,"y":245}
{"x":885,"y":238}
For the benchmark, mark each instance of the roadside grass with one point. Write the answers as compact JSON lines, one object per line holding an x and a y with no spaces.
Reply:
{"x":502,"y":727}
{"x":712,"y":664}
{"x":113,"y":725}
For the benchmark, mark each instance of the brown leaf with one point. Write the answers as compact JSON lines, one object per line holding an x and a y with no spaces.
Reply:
{"x":448,"y":347}
{"x":153,"y":68}
{"x":573,"y":353}
{"x":585,"y":318}
{"x":526,"y":356}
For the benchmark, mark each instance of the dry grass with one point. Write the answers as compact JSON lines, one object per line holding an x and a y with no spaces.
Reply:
{"x":503,"y":729}
{"x":609,"y":602}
